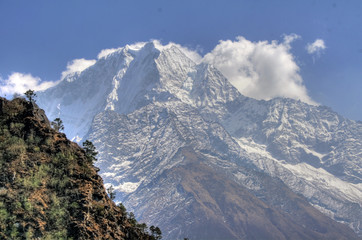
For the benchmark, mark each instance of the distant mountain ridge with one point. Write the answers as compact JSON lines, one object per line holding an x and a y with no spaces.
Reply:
{"x":142,"y":106}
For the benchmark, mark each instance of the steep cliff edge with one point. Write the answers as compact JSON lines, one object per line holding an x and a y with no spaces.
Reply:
{"x":49,"y":189}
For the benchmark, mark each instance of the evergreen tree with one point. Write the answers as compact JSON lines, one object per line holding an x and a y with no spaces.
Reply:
{"x":111,"y":193}
{"x":30,"y":95}
{"x":122,"y":207}
{"x":90,"y":151}
{"x":132,"y":219}
{"x":156,"y":232}
{"x":57,"y":124}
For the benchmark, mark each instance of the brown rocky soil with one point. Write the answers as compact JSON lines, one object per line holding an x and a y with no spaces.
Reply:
{"x":49,"y":189}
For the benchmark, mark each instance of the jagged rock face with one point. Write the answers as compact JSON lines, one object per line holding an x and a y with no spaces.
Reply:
{"x":48,"y":187}
{"x":177,"y":177}
{"x":311,"y":148}
{"x":151,"y":102}
{"x":297,"y":132}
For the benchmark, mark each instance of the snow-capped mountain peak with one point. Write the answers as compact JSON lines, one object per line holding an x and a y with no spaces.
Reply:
{"x":129,"y":78}
{"x":148,"y":107}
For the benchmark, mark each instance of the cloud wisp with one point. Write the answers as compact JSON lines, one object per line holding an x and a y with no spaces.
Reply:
{"x":19,"y":83}
{"x":108,"y":51}
{"x":261,"y":70}
{"x":316,"y":47}
{"x":77,"y":65}
{"x":105,"y":52}
{"x":192,"y":54}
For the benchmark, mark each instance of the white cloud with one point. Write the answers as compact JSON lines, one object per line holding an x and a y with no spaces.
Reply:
{"x":316,"y":47}
{"x":77,"y":65}
{"x":137,"y":45}
{"x":262,"y":70}
{"x":106,"y":52}
{"x":20,"y":83}
{"x":288,"y":39}
{"x":192,"y":54}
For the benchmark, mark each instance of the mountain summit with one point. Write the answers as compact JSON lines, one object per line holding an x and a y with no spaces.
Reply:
{"x":131,"y":78}
{"x":176,"y":134}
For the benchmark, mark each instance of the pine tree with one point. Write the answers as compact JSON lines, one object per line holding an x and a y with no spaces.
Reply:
{"x":90,"y":151}
{"x":30,"y":95}
{"x":156,"y":232}
{"x":57,"y":124}
{"x":111,"y":193}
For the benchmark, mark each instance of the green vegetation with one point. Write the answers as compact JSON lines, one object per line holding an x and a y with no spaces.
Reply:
{"x":57,"y":124}
{"x":35,"y":185}
{"x":49,"y":188}
{"x":111,"y":192}
{"x":90,"y":151}
{"x":30,"y":95}
{"x":156,"y":232}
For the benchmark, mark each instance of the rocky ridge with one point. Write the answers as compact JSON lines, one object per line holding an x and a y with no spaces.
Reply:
{"x":48,"y":187}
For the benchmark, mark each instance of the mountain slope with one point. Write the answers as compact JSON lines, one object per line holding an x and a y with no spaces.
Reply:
{"x":48,"y":187}
{"x":184,"y":166}
{"x":298,"y":132}
{"x":168,"y":102}
{"x":315,"y":151}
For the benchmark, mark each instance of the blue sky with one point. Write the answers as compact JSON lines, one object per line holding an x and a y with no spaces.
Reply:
{"x":41,"y":37}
